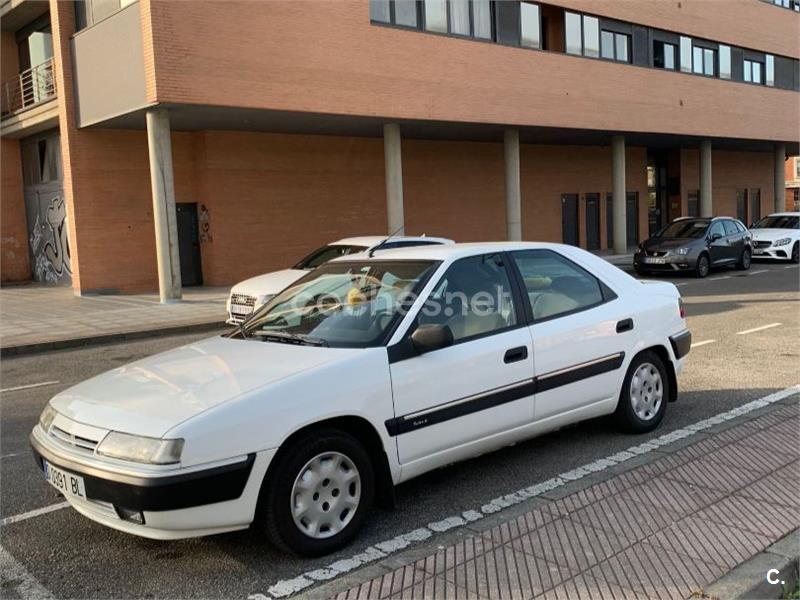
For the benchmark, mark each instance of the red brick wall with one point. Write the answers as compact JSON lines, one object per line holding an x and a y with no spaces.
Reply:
{"x":15,"y":264}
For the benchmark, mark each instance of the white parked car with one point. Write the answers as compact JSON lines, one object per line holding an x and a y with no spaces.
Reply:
{"x":250,"y":294}
{"x":367,"y":372}
{"x":777,"y":236}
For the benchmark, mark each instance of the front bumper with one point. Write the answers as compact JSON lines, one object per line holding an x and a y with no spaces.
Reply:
{"x":183,"y":503}
{"x":775,"y":252}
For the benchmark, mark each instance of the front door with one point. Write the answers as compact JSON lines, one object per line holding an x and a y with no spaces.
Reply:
{"x":569,"y":304}
{"x":719,"y":248}
{"x":189,"y":244}
{"x":593,"y":221}
{"x":569,"y":219}
{"x":479,"y":386}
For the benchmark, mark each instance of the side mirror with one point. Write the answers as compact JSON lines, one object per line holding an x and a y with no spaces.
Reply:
{"x":715,"y":237}
{"x":431,"y":337}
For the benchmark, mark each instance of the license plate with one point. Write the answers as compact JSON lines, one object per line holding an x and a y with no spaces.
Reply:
{"x":655,"y":260}
{"x":241,"y":310}
{"x":64,"y":482}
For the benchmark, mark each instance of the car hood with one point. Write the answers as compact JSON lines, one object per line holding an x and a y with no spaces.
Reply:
{"x":269,"y":283}
{"x":774,"y":234}
{"x":668,"y":243}
{"x":150,"y":396}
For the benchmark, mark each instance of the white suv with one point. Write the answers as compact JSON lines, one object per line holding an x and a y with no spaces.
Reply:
{"x":777,"y":236}
{"x":250,"y":294}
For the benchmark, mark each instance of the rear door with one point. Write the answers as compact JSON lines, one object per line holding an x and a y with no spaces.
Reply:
{"x":735,"y":240}
{"x":581,"y":333}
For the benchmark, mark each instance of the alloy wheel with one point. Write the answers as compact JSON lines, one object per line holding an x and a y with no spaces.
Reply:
{"x":647,"y":391}
{"x":325,"y":495}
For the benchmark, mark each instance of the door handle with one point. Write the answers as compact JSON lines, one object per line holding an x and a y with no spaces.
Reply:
{"x":516,"y":354}
{"x":624,"y":325}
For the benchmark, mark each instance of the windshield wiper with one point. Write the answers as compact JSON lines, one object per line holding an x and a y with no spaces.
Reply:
{"x":291,"y":338}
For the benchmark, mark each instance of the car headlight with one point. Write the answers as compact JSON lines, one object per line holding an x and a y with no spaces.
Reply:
{"x":782,"y":242}
{"x":46,"y":418}
{"x":141,"y":449}
{"x":682,"y":251}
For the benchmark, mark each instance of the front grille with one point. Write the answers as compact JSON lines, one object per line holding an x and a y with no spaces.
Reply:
{"x":758,"y":244}
{"x":79,"y":443}
{"x":243,"y":300}
{"x":655,"y":253}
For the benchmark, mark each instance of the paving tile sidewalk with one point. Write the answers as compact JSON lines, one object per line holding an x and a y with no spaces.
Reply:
{"x":667,"y":528}
{"x":32,"y":315}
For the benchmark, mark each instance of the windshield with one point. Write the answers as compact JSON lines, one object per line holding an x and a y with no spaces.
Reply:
{"x":344,"y":304}
{"x":322,"y":255}
{"x":779,"y":222}
{"x":687,"y":228}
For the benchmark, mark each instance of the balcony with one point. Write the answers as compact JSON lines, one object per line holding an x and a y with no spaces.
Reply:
{"x":30,"y":88}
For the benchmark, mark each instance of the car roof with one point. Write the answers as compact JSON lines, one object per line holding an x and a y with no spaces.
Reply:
{"x":451,"y":251}
{"x":372,"y":240}
{"x":784,"y":214}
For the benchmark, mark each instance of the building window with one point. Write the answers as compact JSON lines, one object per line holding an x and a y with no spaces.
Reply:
{"x":686,"y":54}
{"x":471,"y":18}
{"x":725,"y":62}
{"x":591,"y":36}
{"x":572,"y":25}
{"x":436,"y":15}
{"x":797,"y":168}
{"x":693,"y":204}
{"x":703,"y":60}
{"x":530,"y":25}
{"x":664,"y":55}
{"x":614,"y":46}
{"x":769,"y":67}
{"x":405,"y":12}
{"x":753,"y":71}
{"x":482,"y":19}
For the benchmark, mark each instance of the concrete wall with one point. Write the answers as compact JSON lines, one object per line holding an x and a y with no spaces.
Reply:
{"x":326,"y":57}
{"x":15,"y":265}
{"x":109,"y":67}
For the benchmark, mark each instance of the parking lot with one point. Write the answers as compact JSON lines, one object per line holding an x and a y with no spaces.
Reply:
{"x":745,"y":327}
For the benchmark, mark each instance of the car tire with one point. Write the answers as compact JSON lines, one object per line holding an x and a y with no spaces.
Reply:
{"x":338,"y":497}
{"x":796,"y":253}
{"x":745,"y":260}
{"x":644,"y":395}
{"x":703,"y":266}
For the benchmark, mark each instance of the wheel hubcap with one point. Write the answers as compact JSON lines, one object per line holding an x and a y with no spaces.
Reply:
{"x":325,"y":495}
{"x":647,"y":391}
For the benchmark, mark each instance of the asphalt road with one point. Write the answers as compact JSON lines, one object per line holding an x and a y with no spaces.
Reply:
{"x":73,"y":557}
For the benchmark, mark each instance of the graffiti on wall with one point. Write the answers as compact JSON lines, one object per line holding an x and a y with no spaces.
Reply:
{"x":49,"y":243}
{"x":204,"y":219}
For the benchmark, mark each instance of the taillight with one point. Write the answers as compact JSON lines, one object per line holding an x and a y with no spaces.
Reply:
{"x":681,"y":309}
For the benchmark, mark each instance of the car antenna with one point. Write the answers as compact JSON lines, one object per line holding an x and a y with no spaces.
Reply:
{"x":383,"y":241}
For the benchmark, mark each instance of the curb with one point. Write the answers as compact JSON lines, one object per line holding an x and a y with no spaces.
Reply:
{"x":749,"y":579}
{"x":25,"y":349}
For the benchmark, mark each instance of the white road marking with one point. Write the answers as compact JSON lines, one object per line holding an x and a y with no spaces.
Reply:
{"x":13,"y":454}
{"x":790,"y":267}
{"x":33,"y":513}
{"x":29,"y":386}
{"x":703,"y":343}
{"x":762,"y":328}
{"x":13,"y":576}
{"x":758,"y":272}
{"x":721,"y":277}
{"x":288,"y":587}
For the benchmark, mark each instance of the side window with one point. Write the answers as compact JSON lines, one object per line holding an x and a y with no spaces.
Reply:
{"x":407,"y":244}
{"x":730,"y":228}
{"x":716,"y":227}
{"x":556,"y":285}
{"x":740,"y":227}
{"x":473,"y":298}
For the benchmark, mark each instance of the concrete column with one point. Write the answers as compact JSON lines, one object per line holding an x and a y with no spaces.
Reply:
{"x":618,"y":194}
{"x":706,"y":204}
{"x":780,"y":178}
{"x":163,"y":185}
{"x":513,"y":194}
{"x":393,"y":161}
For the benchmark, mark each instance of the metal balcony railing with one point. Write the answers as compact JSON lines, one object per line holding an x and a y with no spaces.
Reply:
{"x":29,"y":88}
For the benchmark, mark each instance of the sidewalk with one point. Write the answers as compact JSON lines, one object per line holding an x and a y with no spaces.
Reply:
{"x":36,"y":317}
{"x":668,"y":527}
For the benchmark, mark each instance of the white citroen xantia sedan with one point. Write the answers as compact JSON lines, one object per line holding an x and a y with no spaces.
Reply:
{"x":249,"y":295}
{"x":367,"y":372}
